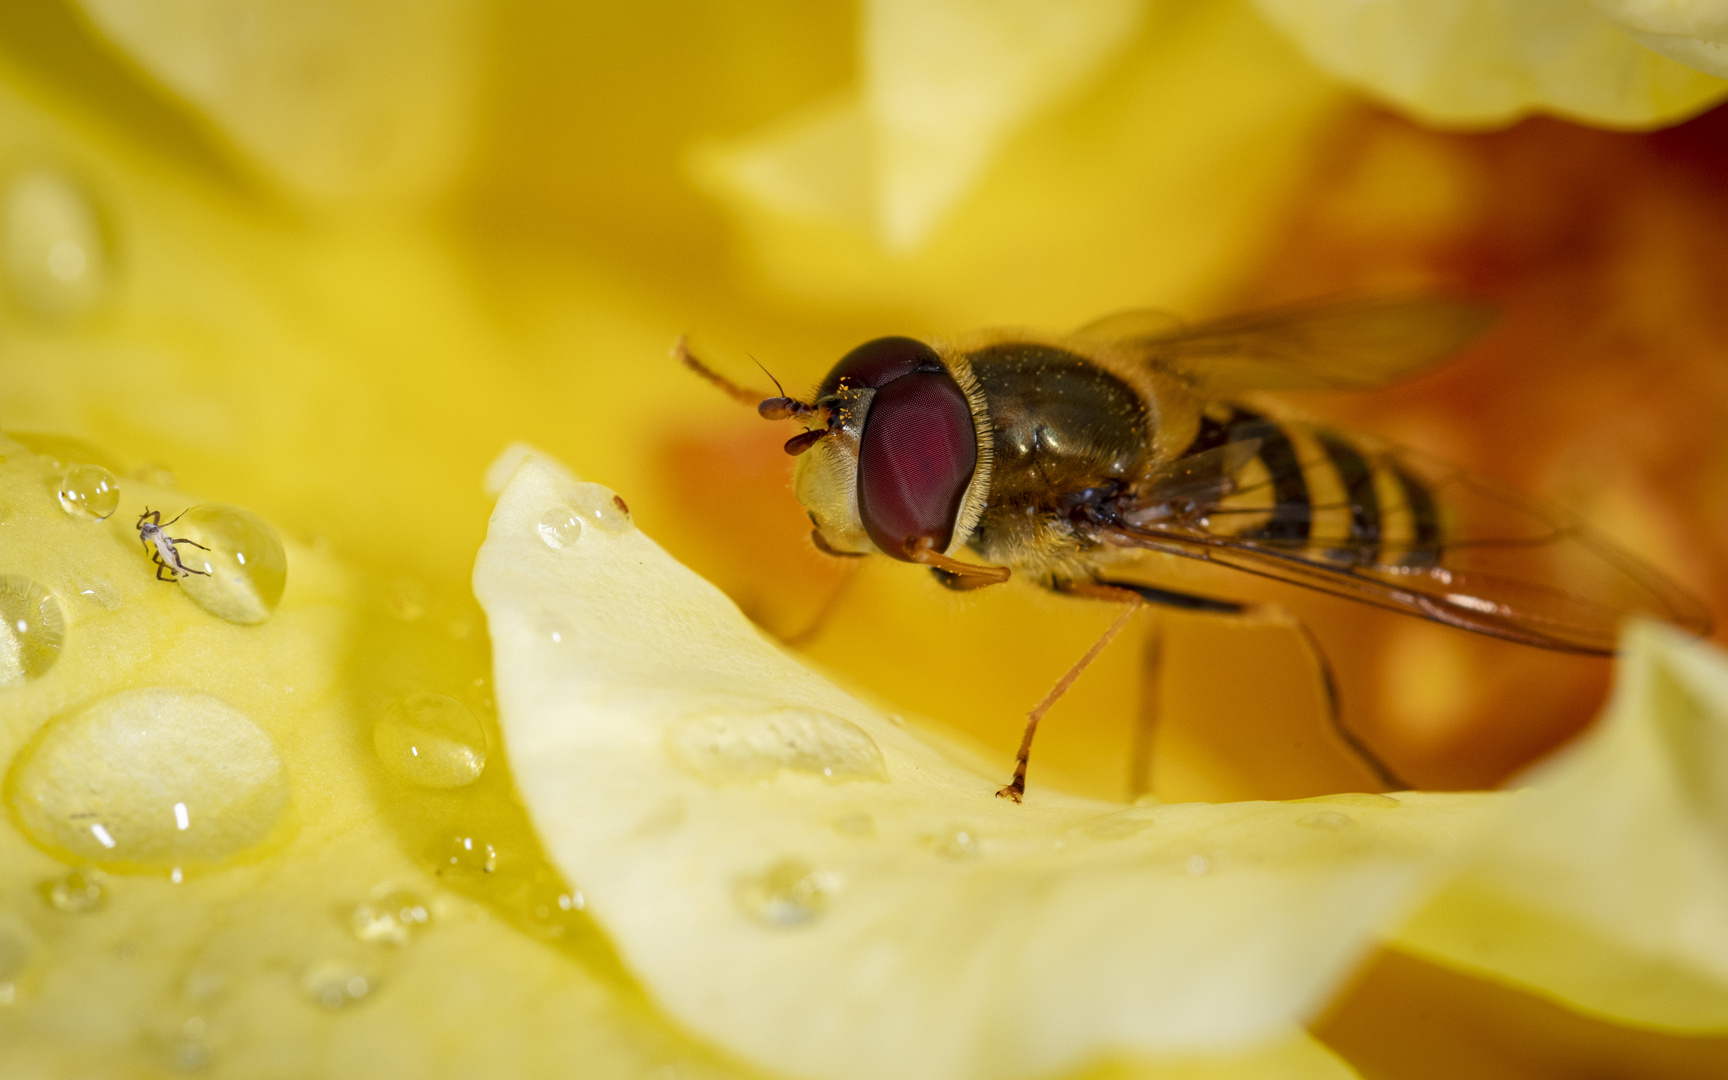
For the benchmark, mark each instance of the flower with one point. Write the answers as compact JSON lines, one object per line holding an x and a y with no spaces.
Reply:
{"x":324,"y":265}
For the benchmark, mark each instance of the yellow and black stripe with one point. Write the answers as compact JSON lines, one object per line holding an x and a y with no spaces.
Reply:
{"x":1322,"y":494}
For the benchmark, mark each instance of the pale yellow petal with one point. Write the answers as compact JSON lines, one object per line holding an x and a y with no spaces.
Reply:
{"x":1606,"y":886}
{"x":1694,"y":32}
{"x":800,"y":879}
{"x":341,"y":101}
{"x":1484,"y":63}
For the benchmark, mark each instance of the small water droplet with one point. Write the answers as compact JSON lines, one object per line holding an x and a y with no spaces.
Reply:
{"x":856,"y":823}
{"x":89,"y":491}
{"x":956,"y":842}
{"x":155,"y":474}
{"x":392,"y":918}
{"x":1329,"y":820}
{"x":32,"y":630}
{"x":241,"y":576}
{"x":101,"y":592}
{"x":754,"y":743}
{"x":561,"y":526}
{"x":1115,"y":826}
{"x":431,"y":740}
{"x":79,"y":892}
{"x":54,"y":252}
{"x":335,"y":984}
{"x":111,"y":783}
{"x":1368,"y":800}
{"x":599,"y":508}
{"x":571,"y":901}
{"x":470,"y":857}
{"x":791,"y":892}
{"x":1197,"y":864}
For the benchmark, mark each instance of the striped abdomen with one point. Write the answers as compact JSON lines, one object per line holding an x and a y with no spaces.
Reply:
{"x":1317,"y":491}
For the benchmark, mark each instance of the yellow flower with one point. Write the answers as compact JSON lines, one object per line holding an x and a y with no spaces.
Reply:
{"x":323,"y":260}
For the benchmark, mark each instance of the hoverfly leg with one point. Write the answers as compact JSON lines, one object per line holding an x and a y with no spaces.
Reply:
{"x":1384,"y":773}
{"x":1151,"y":711}
{"x":825,"y":614}
{"x":1132,"y":602}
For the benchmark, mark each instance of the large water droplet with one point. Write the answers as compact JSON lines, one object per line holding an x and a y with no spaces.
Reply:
{"x":241,"y":576}
{"x":89,"y":491}
{"x":51,"y":239}
{"x":561,"y":526}
{"x":153,"y":779}
{"x":431,"y":740}
{"x":791,"y":892}
{"x":392,"y":918}
{"x":752,"y":744}
{"x":79,"y":892}
{"x":335,"y":984}
{"x":32,"y":630}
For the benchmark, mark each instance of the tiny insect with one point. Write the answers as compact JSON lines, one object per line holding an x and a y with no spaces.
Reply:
{"x":1062,"y":459}
{"x":164,"y":549}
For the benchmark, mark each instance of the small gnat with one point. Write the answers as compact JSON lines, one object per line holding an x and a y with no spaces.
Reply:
{"x":789,"y":893}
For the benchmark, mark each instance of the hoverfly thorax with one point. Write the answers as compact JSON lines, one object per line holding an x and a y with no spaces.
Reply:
{"x":897,"y":465}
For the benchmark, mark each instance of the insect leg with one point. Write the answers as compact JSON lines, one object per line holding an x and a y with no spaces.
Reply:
{"x":183,"y":540}
{"x":1151,"y":711}
{"x":819,"y":621}
{"x":1132,"y":602}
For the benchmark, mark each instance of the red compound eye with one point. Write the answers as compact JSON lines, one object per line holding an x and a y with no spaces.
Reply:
{"x":915,"y":458}
{"x":878,"y":363}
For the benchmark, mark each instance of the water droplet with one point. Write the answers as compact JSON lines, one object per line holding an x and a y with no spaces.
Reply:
{"x":55,"y":256}
{"x":571,"y":901}
{"x":1366,"y":799}
{"x":392,"y":918}
{"x":431,"y":740}
{"x":1330,"y":820}
{"x":335,"y":984}
{"x":79,"y":892}
{"x":89,"y":491}
{"x":32,"y":630}
{"x":791,"y":892}
{"x":1117,"y":826}
{"x":857,"y":823}
{"x":561,"y":526}
{"x":956,"y":842}
{"x":754,"y":743}
{"x":241,"y":577}
{"x":101,"y":592}
{"x":599,"y":508}
{"x":1197,"y":864}
{"x":470,"y":857}
{"x":111,"y":783}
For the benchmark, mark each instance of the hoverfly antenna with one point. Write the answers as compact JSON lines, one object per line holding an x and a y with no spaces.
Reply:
{"x":769,"y":408}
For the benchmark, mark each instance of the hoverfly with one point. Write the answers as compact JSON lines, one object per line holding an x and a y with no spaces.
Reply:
{"x":1058,"y":459}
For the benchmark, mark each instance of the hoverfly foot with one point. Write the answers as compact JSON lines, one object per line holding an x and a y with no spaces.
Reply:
{"x":1014,"y":792}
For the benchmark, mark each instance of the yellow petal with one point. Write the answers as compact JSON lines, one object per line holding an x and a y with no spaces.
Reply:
{"x":340,"y":101}
{"x":799,"y":878}
{"x":1487,"y":62}
{"x":1607,"y":885}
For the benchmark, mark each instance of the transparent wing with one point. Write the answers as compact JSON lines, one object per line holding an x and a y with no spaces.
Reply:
{"x":1337,"y":346}
{"x":1403,"y":532}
